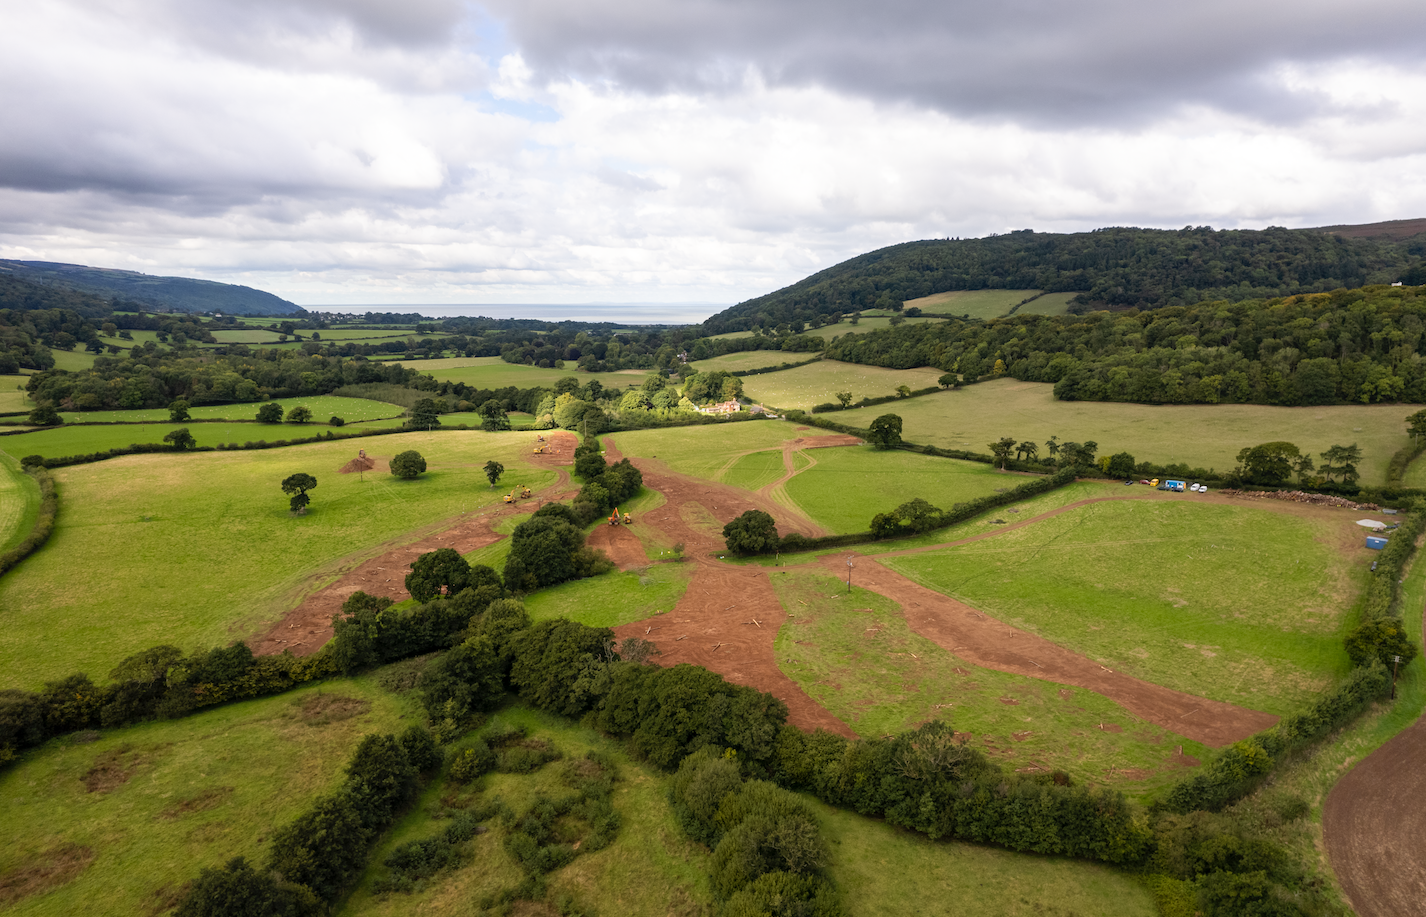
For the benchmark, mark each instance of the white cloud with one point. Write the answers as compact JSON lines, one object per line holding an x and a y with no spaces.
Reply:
{"x":330,"y":153}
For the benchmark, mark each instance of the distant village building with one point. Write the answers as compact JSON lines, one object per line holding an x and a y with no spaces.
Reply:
{"x":722,"y":407}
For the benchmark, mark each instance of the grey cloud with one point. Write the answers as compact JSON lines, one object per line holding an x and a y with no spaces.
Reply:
{"x":1046,"y":61}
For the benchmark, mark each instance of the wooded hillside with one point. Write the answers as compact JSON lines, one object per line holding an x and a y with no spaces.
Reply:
{"x":1117,"y":267}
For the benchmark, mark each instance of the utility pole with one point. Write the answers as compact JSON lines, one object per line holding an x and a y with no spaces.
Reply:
{"x":1395,"y":661}
{"x":849,"y":573}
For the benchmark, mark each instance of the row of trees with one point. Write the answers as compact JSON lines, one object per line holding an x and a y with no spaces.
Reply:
{"x":1274,"y":463}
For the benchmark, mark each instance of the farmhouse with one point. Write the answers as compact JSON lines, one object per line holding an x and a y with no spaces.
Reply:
{"x":722,"y":407}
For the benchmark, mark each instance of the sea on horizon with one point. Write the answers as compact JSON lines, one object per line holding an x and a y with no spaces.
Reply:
{"x":639,"y":313}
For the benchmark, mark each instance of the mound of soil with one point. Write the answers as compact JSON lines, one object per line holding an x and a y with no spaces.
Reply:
{"x":361,"y":463}
{"x":45,"y":872}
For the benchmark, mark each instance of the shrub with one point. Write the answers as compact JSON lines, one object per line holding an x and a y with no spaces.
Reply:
{"x":336,"y":422}
{"x":470,"y":763}
{"x":754,"y":532}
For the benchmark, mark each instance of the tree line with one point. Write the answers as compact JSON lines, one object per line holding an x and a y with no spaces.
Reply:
{"x":1351,"y":346}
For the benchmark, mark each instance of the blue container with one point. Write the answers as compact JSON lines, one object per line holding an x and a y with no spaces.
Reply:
{"x":1376,"y":542}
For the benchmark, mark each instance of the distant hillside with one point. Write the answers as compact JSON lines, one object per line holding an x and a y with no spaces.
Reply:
{"x":1108,"y":268}
{"x":177,"y":294}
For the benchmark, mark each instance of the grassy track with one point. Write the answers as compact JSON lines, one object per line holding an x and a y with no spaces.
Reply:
{"x":1238,"y":604}
{"x":819,"y":382}
{"x":614,"y":598}
{"x":1202,"y":436}
{"x":751,"y":359}
{"x":882,"y":871}
{"x":851,"y":484}
{"x":492,"y":372}
{"x":198,"y":550}
{"x":201,"y":790}
{"x":755,"y":470}
{"x":705,"y":452}
{"x":321,"y":406}
{"x":19,"y":503}
{"x":858,"y":658}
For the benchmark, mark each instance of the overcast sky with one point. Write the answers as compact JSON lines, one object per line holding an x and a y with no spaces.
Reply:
{"x":429,"y":151}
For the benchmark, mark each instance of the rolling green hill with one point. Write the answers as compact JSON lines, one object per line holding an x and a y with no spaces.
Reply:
{"x":182,"y":294}
{"x":1114,"y":267}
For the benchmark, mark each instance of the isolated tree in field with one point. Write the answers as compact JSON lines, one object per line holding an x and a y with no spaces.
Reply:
{"x":885,"y":431}
{"x":297,"y":485}
{"x":845,"y":398}
{"x":45,"y":416}
{"x":1028,"y":449}
{"x":948,"y":380}
{"x":1341,"y":460}
{"x":408,"y":464}
{"x":1269,"y":463}
{"x":178,"y":411}
{"x":493,"y":471}
{"x":426,"y":415}
{"x":493,"y":418}
{"x":1001,"y":449}
{"x":754,"y":532}
{"x":437,"y":572}
{"x":299,"y":414}
{"x":270,"y":413}
{"x":180,"y":439}
{"x":903,"y":391}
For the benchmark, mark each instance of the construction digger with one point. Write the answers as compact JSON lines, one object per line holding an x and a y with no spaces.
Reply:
{"x":510,"y":497}
{"x":525,"y":493}
{"x":616,"y":519}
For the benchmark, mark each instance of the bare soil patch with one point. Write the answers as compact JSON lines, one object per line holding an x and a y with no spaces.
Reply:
{"x":208,"y":799}
{"x":358,"y":464}
{"x":321,"y":709}
{"x":111,"y":770}
{"x":1373,"y":823}
{"x":622,"y":546}
{"x":42,"y":873}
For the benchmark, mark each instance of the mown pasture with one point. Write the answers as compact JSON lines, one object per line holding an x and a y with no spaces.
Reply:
{"x":981,"y":304}
{"x":323,"y":408}
{"x":75,"y":361}
{"x":19,"y":503}
{"x":149,"y":806}
{"x":1238,"y":603}
{"x":1201,"y":436}
{"x":12,"y":394}
{"x":849,"y":485}
{"x":199,"y":550}
{"x":493,"y":372}
{"x":750,"y":360}
{"x":818,"y":383}
{"x":615,"y":598}
{"x":82,"y":439}
{"x":709,"y":452}
{"x":855,"y":654}
{"x":864,"y":324}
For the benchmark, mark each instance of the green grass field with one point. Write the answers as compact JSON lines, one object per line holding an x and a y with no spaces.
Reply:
{"x":74,"y":360}
{"x":12,"y":394}
{"x":1238,"y":604}
{"x":982,"y":304}
{"x":1202,"y":436}
{"x":819,"y":382}
{"x":709,"y":452}
{"x":19,"y":503}
{"x":492,"y":372}
{"x":864,"y":324}
{"x":323,"y":407}
{"x":883,"y":871}
{"x":856,"y":656}
{"x":849,"y":485}
{"x":54,"y":442}
{"x":748,"y":359}
{"x":199,"y":550}
{"x":199,"y":791}
{"x":614,"y":598}
{"x":756,"y":470}
{"x":1049,"y":304}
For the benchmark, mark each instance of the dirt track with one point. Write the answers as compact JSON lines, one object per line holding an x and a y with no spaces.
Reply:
{"x":1374,"y":825}
{"x":306,"y":628}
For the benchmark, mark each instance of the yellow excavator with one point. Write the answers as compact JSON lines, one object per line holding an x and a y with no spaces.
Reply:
{"x":525,"y":493}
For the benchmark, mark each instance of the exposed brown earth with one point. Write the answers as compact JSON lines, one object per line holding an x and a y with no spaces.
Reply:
{"x":44,"y":872}
{"x":1374,"y":822}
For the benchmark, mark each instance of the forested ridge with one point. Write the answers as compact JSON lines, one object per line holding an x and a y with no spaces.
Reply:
{"x":1358,"y":346}
{"x":182,"y":294}
{"x":1115,"y":267}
